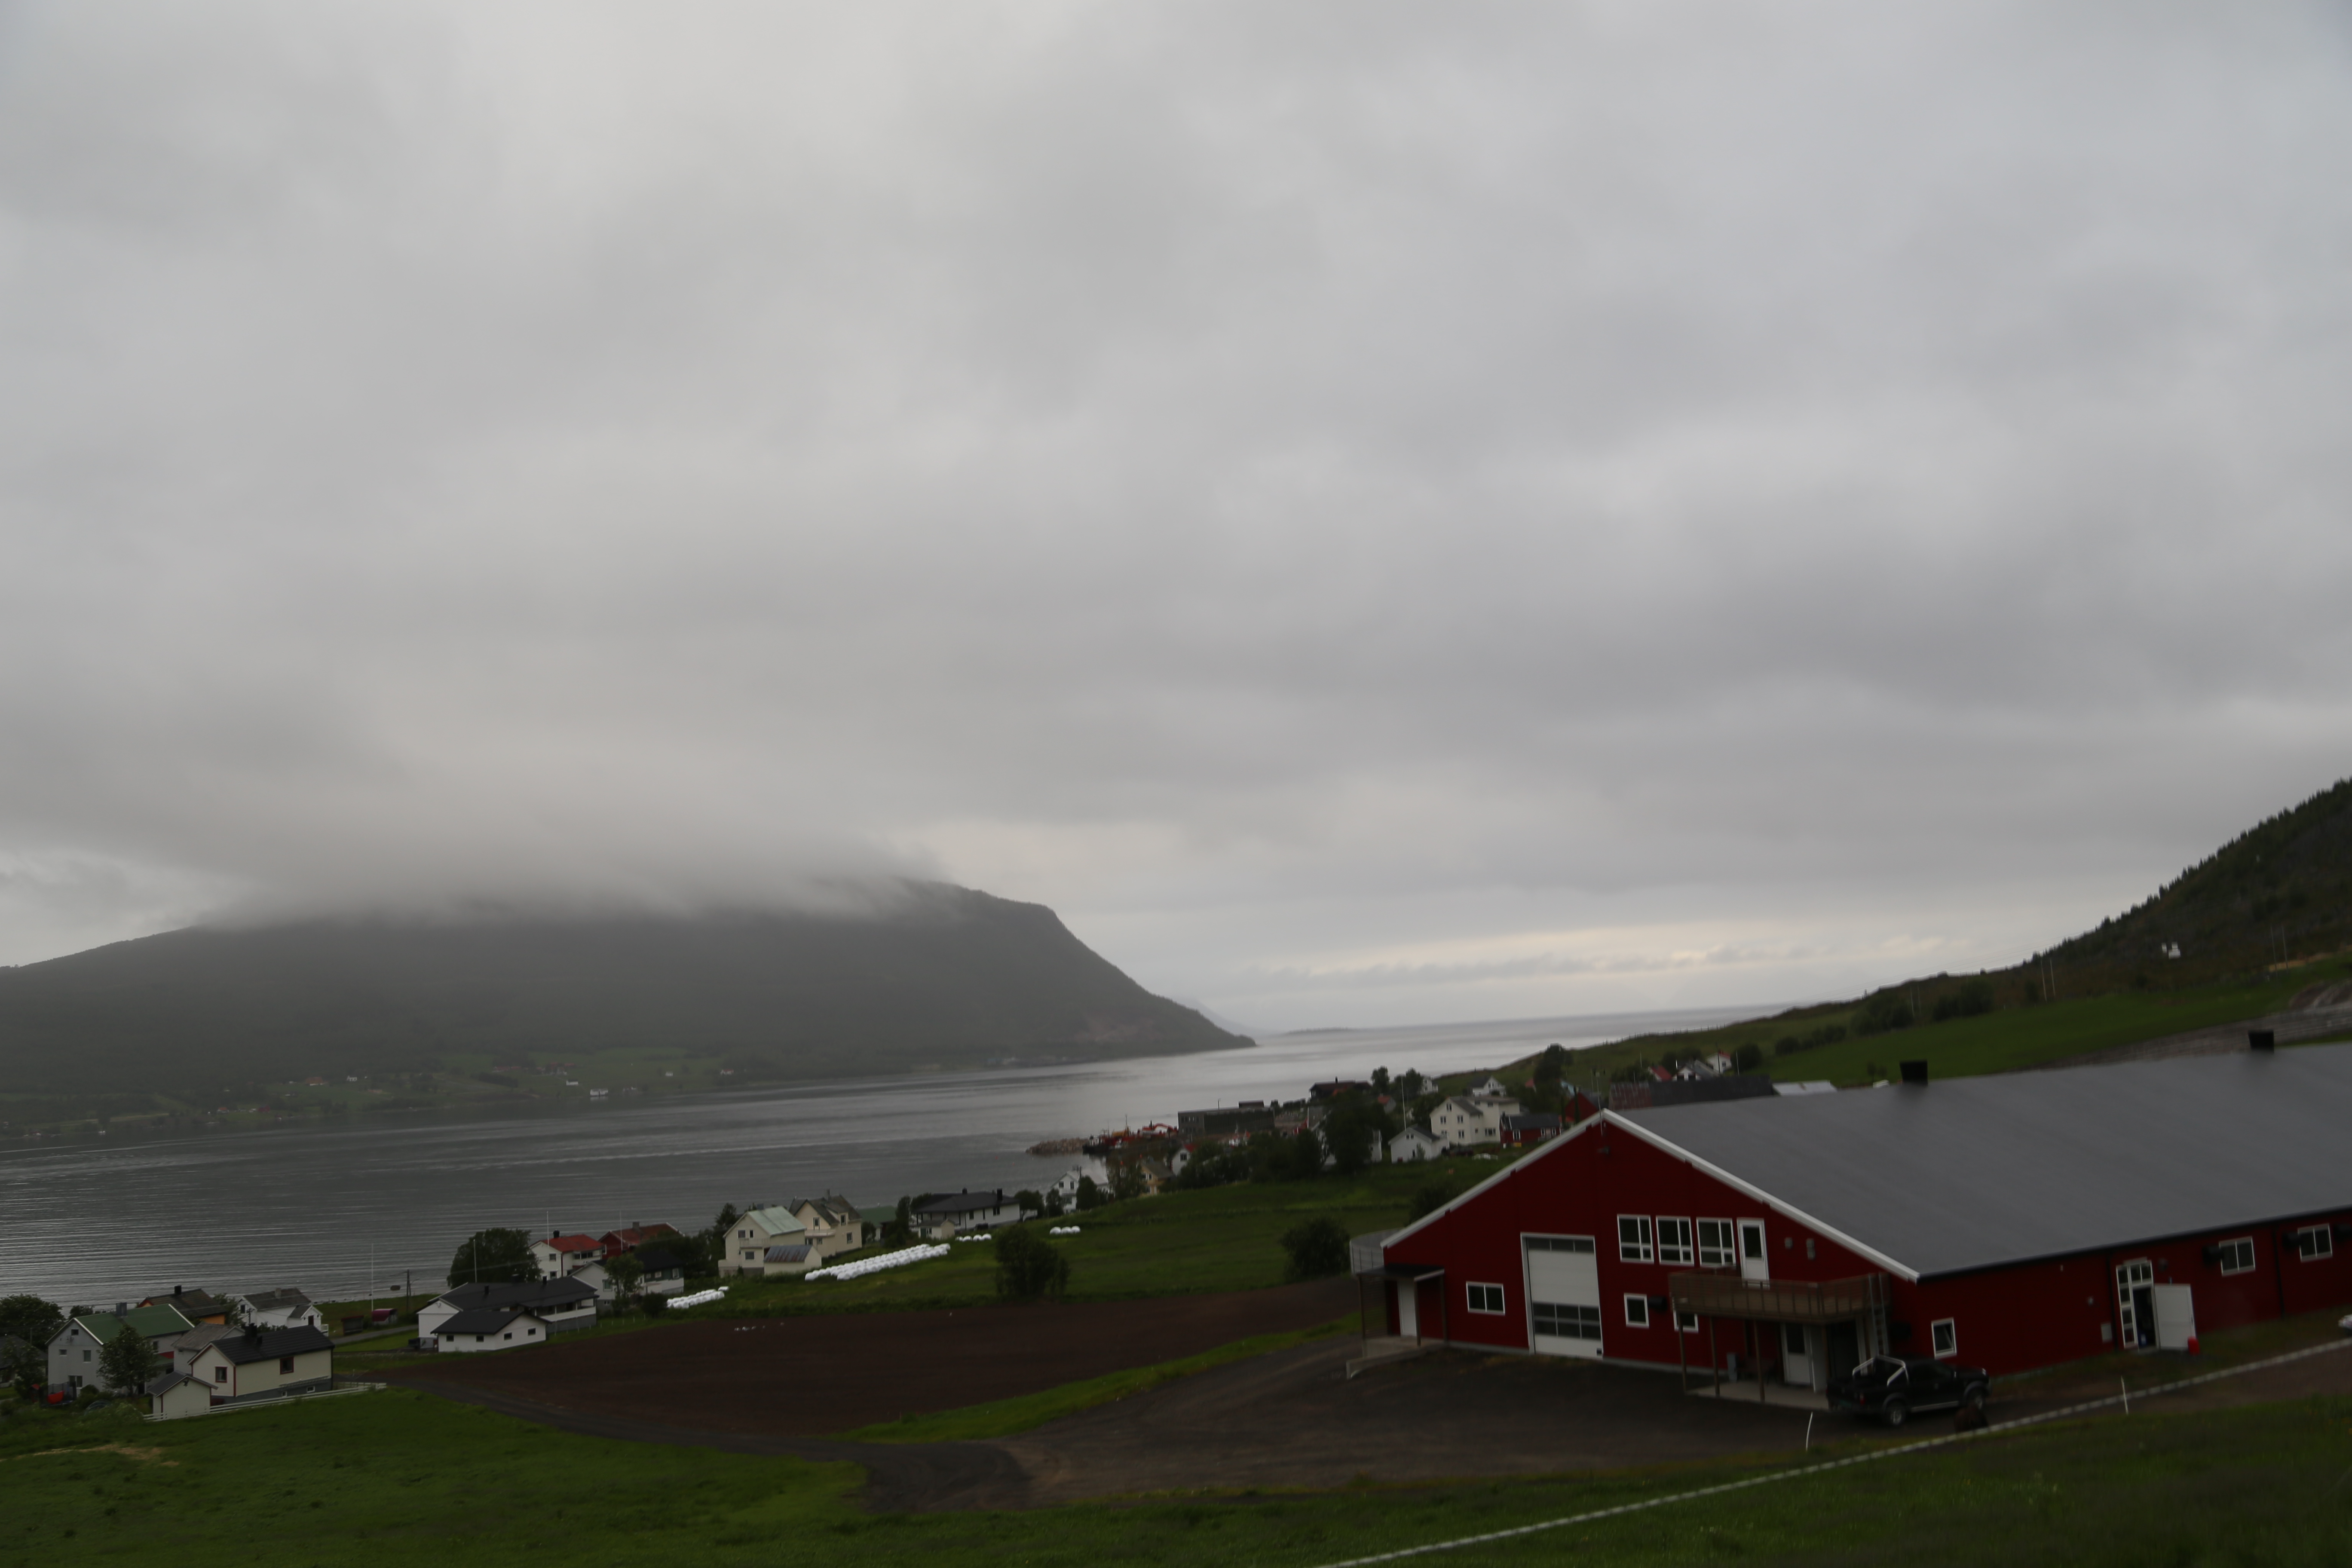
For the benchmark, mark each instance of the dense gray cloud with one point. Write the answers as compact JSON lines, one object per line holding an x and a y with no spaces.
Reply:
{"x":1376,"y":512}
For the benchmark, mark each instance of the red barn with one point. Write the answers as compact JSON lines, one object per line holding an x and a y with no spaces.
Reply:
{"x":2011,"y":1222}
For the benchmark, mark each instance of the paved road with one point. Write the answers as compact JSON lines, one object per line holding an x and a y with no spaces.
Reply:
{"x":2319,"y":1014}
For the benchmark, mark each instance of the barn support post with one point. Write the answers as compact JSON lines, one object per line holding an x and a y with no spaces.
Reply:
{"x":1682,"y":1355}
{"x":1714,"y":1362}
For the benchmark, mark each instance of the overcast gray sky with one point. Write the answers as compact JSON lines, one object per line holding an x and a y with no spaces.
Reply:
{"x":1376,"y":512}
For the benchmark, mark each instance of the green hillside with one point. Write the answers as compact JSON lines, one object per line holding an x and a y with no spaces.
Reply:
{"x":2261,"y":920}
{"x":951,"y":978}
{"x":2281,"y":891}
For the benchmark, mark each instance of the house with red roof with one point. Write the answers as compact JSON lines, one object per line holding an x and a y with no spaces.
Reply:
{"x":559,"y":1254}
{"x":628,"y":1238}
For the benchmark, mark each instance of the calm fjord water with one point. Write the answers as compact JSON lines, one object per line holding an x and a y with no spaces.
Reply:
{"x":342,"y":1211}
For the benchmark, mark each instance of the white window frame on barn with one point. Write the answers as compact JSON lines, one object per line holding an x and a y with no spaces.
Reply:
{"x":1723,"y":1251}
{"x":2237,"y":1254}
{"x":1637,"y":1311}
{"x":1943,"y":1338}
{"x":1484,"y":1297}
{"x":1633,"y":1238}
{"x":2314,"y":1242}
{"x":1686,"y":1322}
{"x":1675,"y":1241}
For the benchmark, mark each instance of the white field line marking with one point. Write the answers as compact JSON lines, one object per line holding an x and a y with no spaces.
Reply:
{"x":1803,"y":1472}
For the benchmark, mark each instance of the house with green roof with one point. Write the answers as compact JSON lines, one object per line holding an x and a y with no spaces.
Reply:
{"x":770,"y":1225}
{"x":76,"y":1348}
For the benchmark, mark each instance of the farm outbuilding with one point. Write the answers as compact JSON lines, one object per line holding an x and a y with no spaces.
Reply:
{"x":2011,"y":1222}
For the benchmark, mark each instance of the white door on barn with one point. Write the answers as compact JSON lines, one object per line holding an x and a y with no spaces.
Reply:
{"x":1797,"y":1355}
{"x":2176,"y":1316}
{"x":1755,"y":1263}
{"x":1408,"y":1308}
{"x":1563,"y":1295}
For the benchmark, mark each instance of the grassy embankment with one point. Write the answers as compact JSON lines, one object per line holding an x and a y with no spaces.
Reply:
{"x":2002,"y":1041}
{"x":398,"y":1478}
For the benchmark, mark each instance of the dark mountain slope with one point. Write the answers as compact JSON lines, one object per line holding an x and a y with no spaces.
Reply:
{"x":2281,"y":889}
{"x":951,"y":977}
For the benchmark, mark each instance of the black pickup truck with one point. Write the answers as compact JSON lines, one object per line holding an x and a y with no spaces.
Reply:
{"x":1895,"y":1388}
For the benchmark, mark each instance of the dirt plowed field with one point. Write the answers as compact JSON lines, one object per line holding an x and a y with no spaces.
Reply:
{"x":818,"y":1375}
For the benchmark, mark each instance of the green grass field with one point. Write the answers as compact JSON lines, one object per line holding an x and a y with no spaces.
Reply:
{"x":1220,"y":1239}
{"x":399,"y":1477}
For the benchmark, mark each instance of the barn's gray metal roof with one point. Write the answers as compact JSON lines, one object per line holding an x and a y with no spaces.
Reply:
{"x":1970,"y":1173}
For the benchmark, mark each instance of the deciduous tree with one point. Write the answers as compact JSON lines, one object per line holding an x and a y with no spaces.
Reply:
{"x":498,"y":1257}
{"x":1317,"y":1248}
{"x":127,"y":1361}
{"x":1028,"y":1266}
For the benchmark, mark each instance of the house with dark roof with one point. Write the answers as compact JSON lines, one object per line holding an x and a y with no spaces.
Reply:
{"x":661,"y":1273}
{"x":2012,"y":1221}
{"x":1522,"y":1128}
{"x":264,"y":1364}
{"x":560,"y":1305}
{"x":960,"y":1214}
{"x":490,"y":1328}
{"x":197,"y":1305}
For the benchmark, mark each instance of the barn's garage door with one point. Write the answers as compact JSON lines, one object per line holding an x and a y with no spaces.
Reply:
{"x":1563,"y":1295}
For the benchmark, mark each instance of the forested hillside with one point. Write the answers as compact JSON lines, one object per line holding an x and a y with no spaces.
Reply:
{"x":2281,"y":889}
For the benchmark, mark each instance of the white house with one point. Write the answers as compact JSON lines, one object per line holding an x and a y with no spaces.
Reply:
{"x":1067,"y":1185}
{"x":1491,"y":1089}
{"x":772,"y":1225}
{"x":284,"y":1307}
{"x":77,"y":1350}
{"x":833,"y":1225}
{"x":960,"y":1214}
{"x":264,"y":1364}
{"x":661,"y":1274}
{"x":1461,"y":1120}
{"x":559,"y":1254}
{"x":1414,"y":1144}
{"x":490,"y":1328}
{"x":560,"y":1304}
{"x":175,"y":1395}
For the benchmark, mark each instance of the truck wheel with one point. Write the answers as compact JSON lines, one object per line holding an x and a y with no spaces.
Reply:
{"x":1895,"y":1413}
{"x":1975,"y":1397}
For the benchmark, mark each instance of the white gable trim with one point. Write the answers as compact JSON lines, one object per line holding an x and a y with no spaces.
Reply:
{"x":1611,"y":1119}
